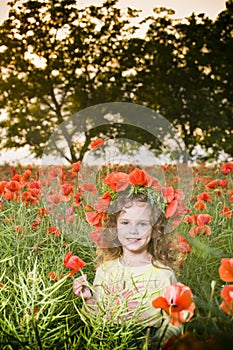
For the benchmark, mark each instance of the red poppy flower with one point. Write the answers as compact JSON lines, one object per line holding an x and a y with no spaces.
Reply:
{"x":89,"y":187}
{"x":227,"y":303}
{"x":36,"y":224}
{"x":13,"y":186}
{"x":139,"y":177}
{"x":97,"y":143}
{"x":200,"y":205}
{"x":117,"y":181}
{"x":215,"y":183}
{"x":95,"y":235}
{"x":67,"y":189}
{"x":102,"y":203}
{"x":31,"y":196}
{"x":154,"y":183}
{"x":75,"y":167}
{"x":226,"y":270}
{"x":183,"y":245}
{"x":55,"y":172}
{"x":191,"y":219}
{"x":54,"y":231}
{"x":9,"y":195}
{"x":53,"y":276}
{"x":99,"y":239}
{"x":171,"y":209}
{"x":168,"y":193}
{"x":34,"y":184}
{"x":95,"y":218}
{"x":177,"y":303}
{"x":74,"y":263}
{"x":227,"y":212}
{"x":222,"y":183}
{"x":77,"y":199}
{"x":203,"y":219}
{"x":25,"y":176}
{"x":54,"y":198}
{"x":230,"y":194}
{"x":197,"y":230}
{"x":179,"y":194}
{"x":211,"y":185}
{"x":175,"y":210}
{"x":204,"y":196}
{"x":42,"y":212}
{"x":2,"y":186}
{"x":227,"y":168}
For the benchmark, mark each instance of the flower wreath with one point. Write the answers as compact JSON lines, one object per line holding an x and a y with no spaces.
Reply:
{"x":137,"y":181}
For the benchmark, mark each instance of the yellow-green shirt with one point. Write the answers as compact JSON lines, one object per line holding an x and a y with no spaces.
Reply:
{"x":128,"y":291}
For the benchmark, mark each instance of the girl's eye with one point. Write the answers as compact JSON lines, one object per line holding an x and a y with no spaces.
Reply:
{"x":124,"y":222}
{"x":144,"y":224}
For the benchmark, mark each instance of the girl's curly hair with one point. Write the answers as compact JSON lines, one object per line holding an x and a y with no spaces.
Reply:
{"x":162,"y":245}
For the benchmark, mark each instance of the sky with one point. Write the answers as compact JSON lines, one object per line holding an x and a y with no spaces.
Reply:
{"x":182,"y":8}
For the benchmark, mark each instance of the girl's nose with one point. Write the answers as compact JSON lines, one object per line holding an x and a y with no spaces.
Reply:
{"x":133,"y":229}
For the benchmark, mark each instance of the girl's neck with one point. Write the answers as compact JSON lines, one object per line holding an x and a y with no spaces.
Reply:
{"x":134,"y":259}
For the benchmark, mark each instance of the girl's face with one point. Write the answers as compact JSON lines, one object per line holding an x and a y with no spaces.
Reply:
{"x":134,"y":227}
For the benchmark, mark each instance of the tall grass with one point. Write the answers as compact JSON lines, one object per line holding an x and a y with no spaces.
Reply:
{"x":38,"y":310}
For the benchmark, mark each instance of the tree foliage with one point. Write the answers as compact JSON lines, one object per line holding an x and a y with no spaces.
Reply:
{"x":58,"y":59}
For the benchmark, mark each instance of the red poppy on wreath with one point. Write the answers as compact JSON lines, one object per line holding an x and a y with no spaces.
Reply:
{"x":117,"y":181}
{"x":95,"y":218}
{"x":139,"y":177}
{"x":102,"y":203}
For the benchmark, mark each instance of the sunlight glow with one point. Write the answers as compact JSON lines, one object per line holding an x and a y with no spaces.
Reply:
{"x":38,"y":62}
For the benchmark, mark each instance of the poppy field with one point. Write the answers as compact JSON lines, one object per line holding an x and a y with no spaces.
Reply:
{"x":46,"y":242}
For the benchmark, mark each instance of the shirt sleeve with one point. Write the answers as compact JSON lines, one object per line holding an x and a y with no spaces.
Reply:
{"x":98,"y":284}
{"x":164,"y":278}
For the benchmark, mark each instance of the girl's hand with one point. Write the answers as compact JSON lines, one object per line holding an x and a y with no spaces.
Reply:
{"x":80,"y":288}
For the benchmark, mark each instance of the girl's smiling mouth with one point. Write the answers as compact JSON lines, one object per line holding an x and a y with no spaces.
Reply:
{"x":133,"y":239}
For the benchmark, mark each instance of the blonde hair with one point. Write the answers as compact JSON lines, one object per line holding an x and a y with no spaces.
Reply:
{"x":161,"y":246}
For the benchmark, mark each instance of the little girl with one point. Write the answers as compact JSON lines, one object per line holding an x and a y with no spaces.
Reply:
{"x":134,"y":266}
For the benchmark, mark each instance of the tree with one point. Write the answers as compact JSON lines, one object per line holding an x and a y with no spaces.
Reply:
{"x":222,"y":73}
{"x":56,"y":60}
{"x":183,"y":76}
